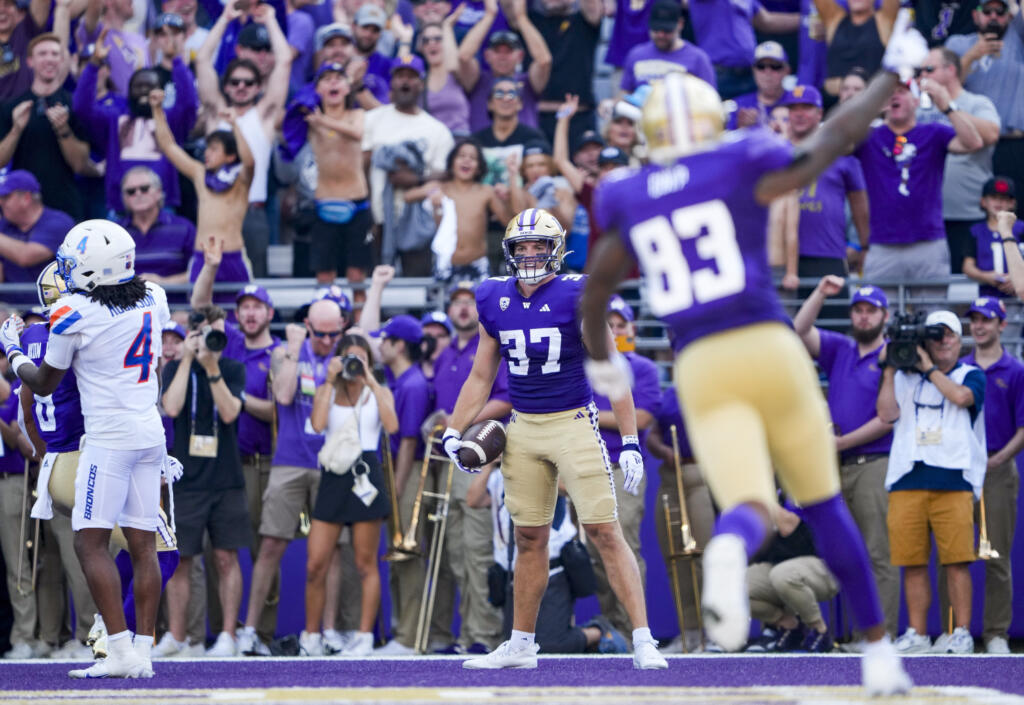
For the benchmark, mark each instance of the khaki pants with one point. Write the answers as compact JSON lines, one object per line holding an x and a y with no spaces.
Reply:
{"x":256,"y":470}
{"x":59,"y":571}
{"x":12,"y":492}
{"x":631,"y":515}
{"x":792,"y":587}
{"x":865,"y":494}
{"x":701,"y":513}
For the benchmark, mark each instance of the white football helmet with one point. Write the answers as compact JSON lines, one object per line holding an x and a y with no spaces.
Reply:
{"x":96,"y":253}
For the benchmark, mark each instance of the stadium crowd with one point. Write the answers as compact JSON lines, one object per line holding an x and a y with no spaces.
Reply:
{"x":375,"y":140}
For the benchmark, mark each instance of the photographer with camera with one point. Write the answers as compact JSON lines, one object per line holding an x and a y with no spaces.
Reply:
{"x":352,"y":406}
{"x":862,"y":438}
{"x":936,"y":467}
{"x":203,"y":393}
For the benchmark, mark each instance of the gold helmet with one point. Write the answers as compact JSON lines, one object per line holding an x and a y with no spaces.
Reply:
{"x":534,"y":224}
{"x":50,"y":285}
{"x":682,"y":114}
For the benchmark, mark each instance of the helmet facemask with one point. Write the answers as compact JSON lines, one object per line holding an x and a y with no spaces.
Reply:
{"x":531,"y":269}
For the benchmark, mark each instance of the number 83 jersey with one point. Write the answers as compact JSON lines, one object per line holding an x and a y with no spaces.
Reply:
{"x":699,"y":235}
{"x":540,"y":340}
{"x":114,"y":353}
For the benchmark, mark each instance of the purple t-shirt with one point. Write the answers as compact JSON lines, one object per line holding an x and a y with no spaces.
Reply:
{"x":378,"y":76}
{"x":48,"y":231}
{"x":413,"y":405}
{"x":811,"y":69}
{"x":300,"y":38}
{"x":645,"y":63}
{"x":629,"y":30}
{"x":58,"y":416}
{"x":1004,"y":399}
{"x":254,"y":436}
{"x":822,"y":223}
{"x":478,"y":97}
{"x":168,"y":246}
{"x":699,"y":235}
{"x":749,"y":100}
{"x":540,"y":339}
{"x":297,"y":442}
{"x":11,"y":460}
{"x":128,"y":52}
{"x":725,"y":29}
{"x":989,"y":255}
{"x":905,"y":189}
{"x":15,"y":75}
{"x":852,"y":389}
{"x":646,"y":396}
{"x":451,"y":370}
{"x":667,"y":415}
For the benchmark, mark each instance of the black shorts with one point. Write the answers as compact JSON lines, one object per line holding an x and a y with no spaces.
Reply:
{"x":224,"y":513}
{"x":338,"y":504}
{"x":337,"y":247}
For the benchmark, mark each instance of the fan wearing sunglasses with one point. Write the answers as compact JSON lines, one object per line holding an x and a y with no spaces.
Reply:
{"x":164,"y":242}
{"x":992,"y":18}
{"x":771,"y":65}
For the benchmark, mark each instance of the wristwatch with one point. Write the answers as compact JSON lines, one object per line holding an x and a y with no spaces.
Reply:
{"x":951,"y":107}
{"x":215,"y":378}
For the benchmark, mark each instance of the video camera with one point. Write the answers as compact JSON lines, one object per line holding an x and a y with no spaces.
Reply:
{"x":906,"y":332}
{"x":351,"y":367}
{"x":215,"y":340}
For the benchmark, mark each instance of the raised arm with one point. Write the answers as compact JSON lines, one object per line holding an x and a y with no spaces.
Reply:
{"x":831,"y":13}
{"x":206,"y":75}
{"x":202,"y":290}
{"x":560,"y":149}
{"x":275,"y":86}
{"x":469,"y":66}
{"x":540,"y":55}
{"x":191,"y":168}
{"x":449,"y":44}
{"x":803,"y":322}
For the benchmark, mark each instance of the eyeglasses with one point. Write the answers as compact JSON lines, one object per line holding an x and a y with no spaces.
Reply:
{"x":131,"y":190}
{"x":325,"y":333}
{"x":500,"y":94}
{"x":765,"y":66}
{"x":431,"y":40}
{"x":927,"y":69}
{"x":992,"y":11}
{"x":247,"y":82}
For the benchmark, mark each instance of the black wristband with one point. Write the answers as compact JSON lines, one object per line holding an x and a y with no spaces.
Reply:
{"x":1008,"y":239}
{"x":219,"y":377}
{"x":928,"y":373}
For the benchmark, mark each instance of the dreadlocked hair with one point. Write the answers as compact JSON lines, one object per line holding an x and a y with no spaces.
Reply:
{"x":122,"y":296}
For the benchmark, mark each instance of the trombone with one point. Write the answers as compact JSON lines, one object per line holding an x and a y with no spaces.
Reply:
{"x":688,"y":544}
{"x":400,"y":550}
{"x":439,"y":518}
{"x":985,"y":550}
{"x":27,"y":544}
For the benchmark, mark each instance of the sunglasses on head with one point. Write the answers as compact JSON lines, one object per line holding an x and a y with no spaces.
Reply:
{"x":768,"y":66}
{"x":131,"y":190}
{"x":992,"y":11}
{"x":502,"y":93}
{"x":325,"y":333}
{"x":247,"y":82}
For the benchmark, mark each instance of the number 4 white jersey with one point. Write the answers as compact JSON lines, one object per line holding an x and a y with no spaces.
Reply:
{"x":114,"y":353}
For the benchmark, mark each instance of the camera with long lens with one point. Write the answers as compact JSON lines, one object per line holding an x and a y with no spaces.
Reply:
{"x":906,"y":332}
{"x":351,"y":367}
{"x":214,"y":340}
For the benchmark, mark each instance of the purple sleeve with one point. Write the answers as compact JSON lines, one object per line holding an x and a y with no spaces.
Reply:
{"x":702,"y":68}
{"x":628,"y":84}
{"x":499,"y":390}
{"x":1017,"y":390}
{"x":85,"y":108}
{"x":853,"y":175}
{"x":300,"y":34}
{"x":829,"y":345}
{"x":181,"y":116}
{"x":944,"y":134}
{"x":413,"y":404}
{"x":646,"y":390}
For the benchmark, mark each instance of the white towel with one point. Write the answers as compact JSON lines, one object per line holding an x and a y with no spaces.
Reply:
{"x":443,"y":245}
{"x":43,"y":507}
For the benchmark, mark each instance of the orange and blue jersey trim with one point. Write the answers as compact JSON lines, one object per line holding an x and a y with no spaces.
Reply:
{"x":63,"y":318}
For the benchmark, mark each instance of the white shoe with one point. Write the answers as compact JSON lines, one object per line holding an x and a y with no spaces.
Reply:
{"x":360,"y":645}
{"x":997,"y":645}
{"x":245,"y":640}
{"x":224,"y":647}
{"x":646,"y":656}
{"x":726,"y":609}
{"x":506,"y":657}
{"x":913,"y":643}
{"x":881,"y":670}
{"x":335,"y":642}
{"x":196,"y":650}
{"x":21,"y":650}
{"x":74,"y":650}
{"x":129,"y":665}
{"x":941,"y":644}
{"x":394,"y":648}
{"x":311,"y":644}
{"x":169,"y":647}
{"x":961,"y":642}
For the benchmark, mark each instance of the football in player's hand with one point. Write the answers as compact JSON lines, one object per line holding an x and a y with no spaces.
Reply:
{"x":482,"y":443}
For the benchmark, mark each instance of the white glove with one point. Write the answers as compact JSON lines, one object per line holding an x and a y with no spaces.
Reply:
{"x":172,"y":469}
{"x":906,"y":50}
{"x":452,"y":441}
{"x":632,"y":464}
{"x":612,"y":378}
{"x":10,"y":335}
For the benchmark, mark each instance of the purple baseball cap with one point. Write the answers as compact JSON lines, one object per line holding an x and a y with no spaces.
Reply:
{"x":18,"y":180}
{"x":255,"y":291}
{"x":989,"y":307}
{"x":802,"y":95}
{"x":411,"y":62}
{"x":172,"y":327}
{"x":872,"y":295}
{"x":617,"y":304}
{"x":437,"y":317}
{"x":331,"y":67}
{"x":403,"y":327}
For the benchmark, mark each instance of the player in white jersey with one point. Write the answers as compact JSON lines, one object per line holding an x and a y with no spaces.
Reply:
{"x":108,"y":330}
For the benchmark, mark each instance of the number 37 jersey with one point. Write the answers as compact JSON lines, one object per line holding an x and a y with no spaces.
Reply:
{"x":114,"y":353}
{"x":699,"y":235}
{"x":540,"y":341}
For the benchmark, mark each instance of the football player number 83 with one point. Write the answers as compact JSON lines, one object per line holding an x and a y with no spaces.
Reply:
{"x":671,"y":283}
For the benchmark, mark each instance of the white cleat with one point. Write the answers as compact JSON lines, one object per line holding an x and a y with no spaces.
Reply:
{"x":505,"y":657}
{"x":646,"y":656}
{"x":881,"y":670}
{"x":129,"y":665}
{"x":726,"y":609}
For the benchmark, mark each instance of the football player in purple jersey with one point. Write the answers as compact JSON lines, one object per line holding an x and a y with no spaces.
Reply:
{"x":530,"y":321}
{"x":695,"y":221}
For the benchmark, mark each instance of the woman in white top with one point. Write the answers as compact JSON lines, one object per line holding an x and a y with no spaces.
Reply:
{"x":354,"y":496}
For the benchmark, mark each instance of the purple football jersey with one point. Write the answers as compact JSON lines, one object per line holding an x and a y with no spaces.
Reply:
{"x":58,"y":416}
{"x":988,"y":252}
{"x":541,"y":341}
{"x":699,"y":235}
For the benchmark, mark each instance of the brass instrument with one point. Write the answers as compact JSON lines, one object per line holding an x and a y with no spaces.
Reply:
{"x":398,"y":551}
{"x":985,"y":550}
{"x":439,"y":517}
{"x":24,"y":543}
{"x":687,"y":550}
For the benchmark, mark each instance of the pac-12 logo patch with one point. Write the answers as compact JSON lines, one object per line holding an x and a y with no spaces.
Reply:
{"x":503,"y":303}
